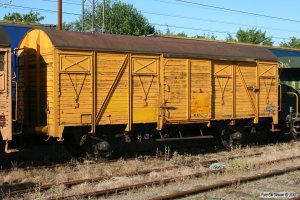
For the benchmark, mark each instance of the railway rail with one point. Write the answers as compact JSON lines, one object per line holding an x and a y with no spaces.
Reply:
{"x":31,"y":188}
{"x":117,"y":190}
{"x":140,"y":185}
{"x":231,"y":182}
{"x":71,"y":164}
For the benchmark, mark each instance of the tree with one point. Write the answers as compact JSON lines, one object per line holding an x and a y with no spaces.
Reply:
{"x":181,"y":34}
{"x":252,"y":36}
{"x":72,"y":26}
{"x":293,"y":43}
{"x":168,"y":32}
{"x":120,"y":18}
{"x":206,"y":36}
{"x":31,"y":17}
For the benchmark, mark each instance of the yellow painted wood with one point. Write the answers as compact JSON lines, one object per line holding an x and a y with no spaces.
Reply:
{"x":268,"y":80}
{"x":161,"y":102}
{"x":5,"y":94}
{"x":108,"y":66}
{"x":222,"y":85}
{"x":200,"y":105}
{"x":201,"y":89}
{"x":175,"y":81}
{"x":145,"y":89}
{"x":76,"y":85}
{"x":36,"y":80}
{"x":76,"y":92}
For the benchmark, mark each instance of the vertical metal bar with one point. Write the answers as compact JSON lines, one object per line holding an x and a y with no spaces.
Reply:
{"x":82,"y":17}
{"x":211,"y":79}
{"x":130,"y":89}
{"x":212,"y":91}
{"x":94,"y":90}
{"x":280,"y":94}
{"x":159,"y":99}
{"x":188,"y":89}
{"x":275,"y":118}
{"x":297,"y":101}
{"x":56,"y":93}
{"x":233,"y":91}
{"x":93,"y":15}
{"x":257,"y":93}
{"x":103,"y":17}
{"x":59,"y":15}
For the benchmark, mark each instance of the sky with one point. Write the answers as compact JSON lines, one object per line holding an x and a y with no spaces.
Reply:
{"x":279,"y":18}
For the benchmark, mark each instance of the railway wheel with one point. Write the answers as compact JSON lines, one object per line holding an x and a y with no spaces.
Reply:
{"x":101,"y":147}
{"x":231,"y":138}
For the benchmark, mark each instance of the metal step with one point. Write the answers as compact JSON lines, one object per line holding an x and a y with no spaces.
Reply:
{"x":275,"y":130}
{"x":17,"y":133}
{"x":185,"y":138}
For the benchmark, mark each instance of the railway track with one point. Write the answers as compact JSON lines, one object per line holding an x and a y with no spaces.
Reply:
{"x":141,"y":185}
{"x":15,"y":190}
{"x":228,"y":183}
{"x":165,"y":181}
{"x":71,"y":164}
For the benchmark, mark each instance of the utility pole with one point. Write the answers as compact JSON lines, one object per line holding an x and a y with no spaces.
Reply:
{"x":93,"y":16}
{"x":82,"y":17}
{"x":103,"y":17}
{"x":59,"y":15}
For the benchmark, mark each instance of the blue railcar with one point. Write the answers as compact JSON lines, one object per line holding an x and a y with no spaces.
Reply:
{"x":289,"y":74}
{"x":16,"y":32}
{"x":289,"y":67}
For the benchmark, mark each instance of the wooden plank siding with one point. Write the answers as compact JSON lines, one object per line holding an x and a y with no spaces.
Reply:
{"x":243,"y":103}
{"x":193,"y":89}
{"x":108,"y":66}
{"x":5,"y":94}
{"x":222,"y":94}
{"x":175,"y":77}
{"x":75,"y":88}
{"x":89,"y":88}
{"x":201,"y":89}
{"x":268,"y":95}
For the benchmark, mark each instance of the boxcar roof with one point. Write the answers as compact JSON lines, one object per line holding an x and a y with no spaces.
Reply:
{"x":4,"y":38}
{"x":170,"y":47}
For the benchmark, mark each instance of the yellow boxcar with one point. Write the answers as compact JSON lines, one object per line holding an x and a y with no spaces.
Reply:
{"x":69,"y":79}
{"x":6,"y":76}
{"x":5,"y":87}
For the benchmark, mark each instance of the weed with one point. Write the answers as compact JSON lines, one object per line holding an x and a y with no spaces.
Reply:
{"x":167,"y":153}
{"x":239,"y":165}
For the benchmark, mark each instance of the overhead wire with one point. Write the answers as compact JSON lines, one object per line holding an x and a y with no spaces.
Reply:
{"x":64,"y":2}
{"x":160,"y":14}
{"x":206,"y":30}
{"x":238,"y":11}
{"x":38,"y":9}
{"x":215,"y":21}
{"x":192,"y":28}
